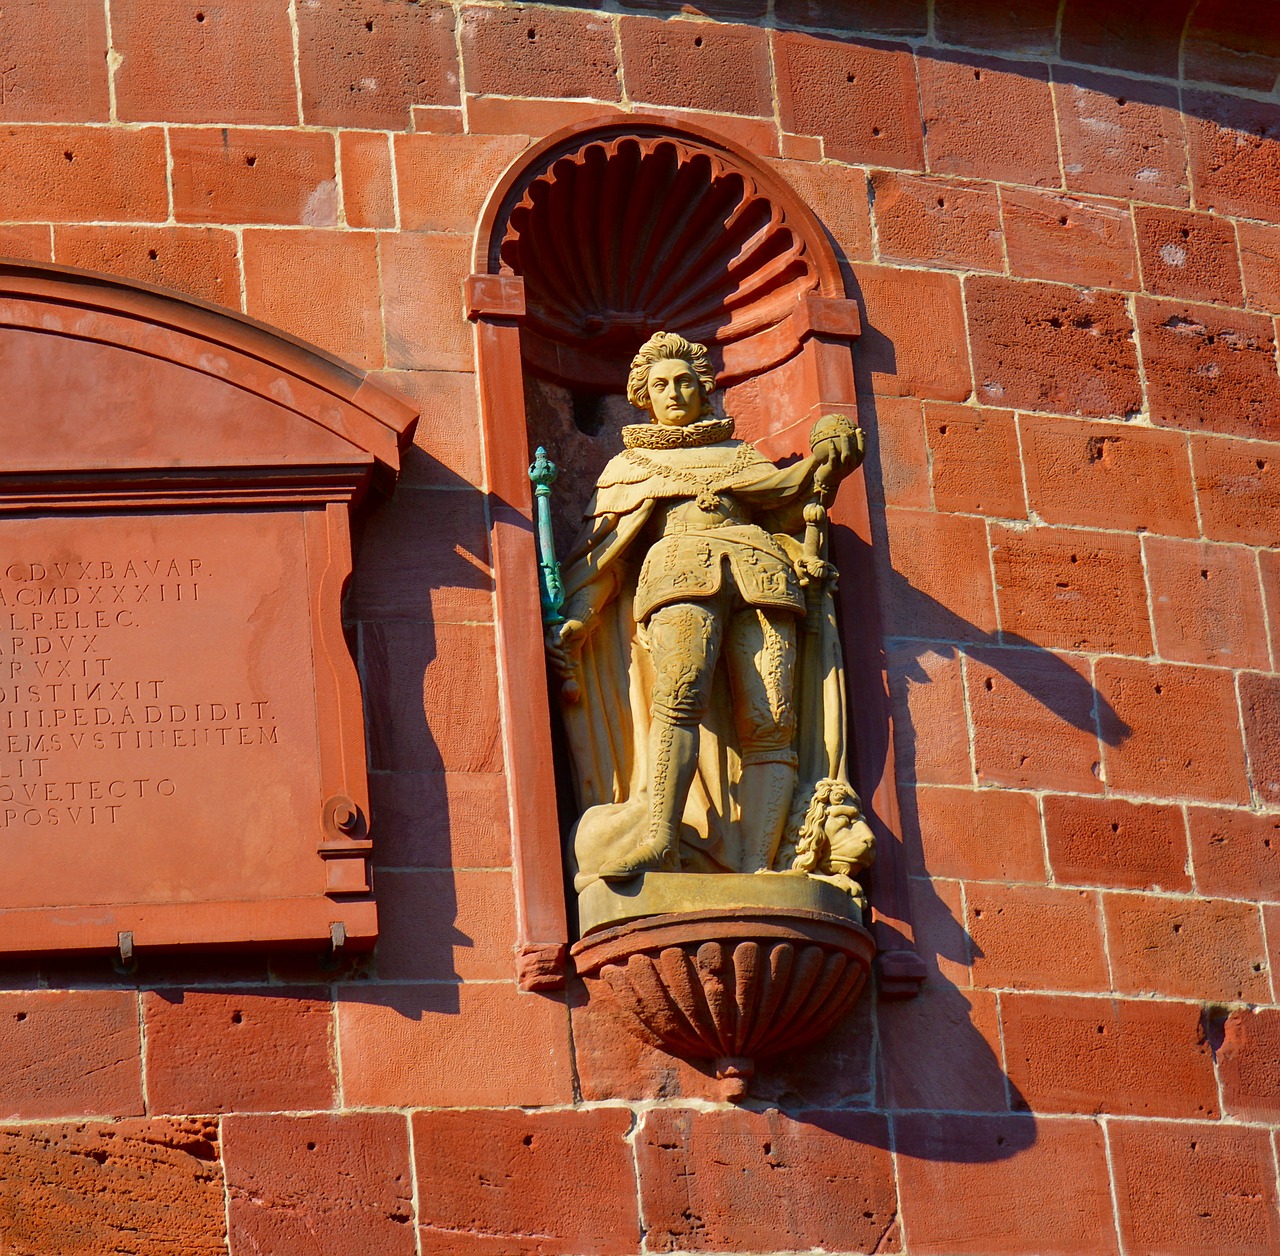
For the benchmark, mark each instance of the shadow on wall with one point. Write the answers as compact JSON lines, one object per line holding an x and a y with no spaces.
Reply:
{"x":420,"y":610}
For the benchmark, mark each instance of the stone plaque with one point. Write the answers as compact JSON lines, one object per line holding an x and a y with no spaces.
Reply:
{"x":182,"y":755}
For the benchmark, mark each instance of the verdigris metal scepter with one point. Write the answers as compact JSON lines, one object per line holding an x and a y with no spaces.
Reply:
{"x":543,"y":473}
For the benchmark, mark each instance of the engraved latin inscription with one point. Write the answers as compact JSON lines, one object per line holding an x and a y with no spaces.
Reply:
{"x":152,"y":682}
{"x":66,"y":686}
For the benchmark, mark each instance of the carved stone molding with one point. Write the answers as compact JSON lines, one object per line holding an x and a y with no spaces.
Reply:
{"x":729,"y":986}
{"x":668,"y":233}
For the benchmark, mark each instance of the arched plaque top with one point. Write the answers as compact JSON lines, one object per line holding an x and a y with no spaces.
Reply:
{"x":624,"y":227}
{"x":105,"y":375}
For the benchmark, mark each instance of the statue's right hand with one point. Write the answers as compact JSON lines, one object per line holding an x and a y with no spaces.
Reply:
{"x":563,"y":643}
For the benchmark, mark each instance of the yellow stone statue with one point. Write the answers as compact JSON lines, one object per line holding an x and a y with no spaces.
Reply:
{"x":704,"y":695}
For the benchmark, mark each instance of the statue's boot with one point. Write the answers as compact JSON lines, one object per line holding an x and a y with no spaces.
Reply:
{"x":673,"y":760}
{"x":764,"y":801}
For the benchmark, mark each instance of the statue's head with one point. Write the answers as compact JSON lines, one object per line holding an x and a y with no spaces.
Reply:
{"x":672,"y":379}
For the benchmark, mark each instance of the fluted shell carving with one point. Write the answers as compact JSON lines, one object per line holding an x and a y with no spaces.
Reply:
{"x":631,"y":235}
{"x":762,"y":987}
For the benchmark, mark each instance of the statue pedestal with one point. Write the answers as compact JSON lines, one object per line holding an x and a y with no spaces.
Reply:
{"x":724,"y":968}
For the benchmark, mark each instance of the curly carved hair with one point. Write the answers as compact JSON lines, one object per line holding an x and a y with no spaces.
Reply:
{"x":666,"y":346}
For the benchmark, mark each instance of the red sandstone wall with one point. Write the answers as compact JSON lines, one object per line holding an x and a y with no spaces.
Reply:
{"x":1070,"y":369}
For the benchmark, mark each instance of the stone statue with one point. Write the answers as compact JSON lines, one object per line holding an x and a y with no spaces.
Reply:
{"x":704,"y":687}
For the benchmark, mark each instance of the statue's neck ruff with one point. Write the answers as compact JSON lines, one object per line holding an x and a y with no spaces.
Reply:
{"x":658,"y":436}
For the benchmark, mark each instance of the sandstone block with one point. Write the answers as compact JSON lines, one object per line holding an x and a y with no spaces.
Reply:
{"x":860,"y":97}
{"x":1260,"y":709}
{"x":1009,"y":924}
{"x":364,"y":68}
{"x":441,"y":819}
{"x":1081,"y":342}
{"x":1107,"y":841}
{"x":186,"y":62}
{"x":239,"y":1051}
{"x":1069,"y":239}
{"x":941,"y":587}
{"x":716,"y":67}
{"x":1195,"y":948}
{"x":422,"y":277}
{"x":337,"y":1183}
{"x":1210,"y":369}
{"x":69,"y":1054}
{"x":1130,"y":1056}
{"x":1235,"y":853}
{"x":987,"y":24}
{"x":368,"y":199}
{"x":127,"y":1186}
{"x":1206,"y":603}
{"x":519,"y":51}
{"x":200,"y":261}
{"x":446,"y":926}
{"x":897,"y":455}
{"x":246,"y":176}
{"x":1145,"y":40}
{"x":432,"y":696}
{"x":938,"y":221}
{"x":1108,"y":475}
{"x":980,"y":834}
{"x":1033,"y":724}
{"x":930,"y":728}
{"x":509,"y":1182}
{"x":1238,"y":486}
{"x":961,"y":1175}
{"x":1192,"y":256}
{"x":1067,"y":589}
{"x":1181,"y":1188}
{"x":758,"y":1181}
{"x":1249,"y":1064}
{"x":1183,"y":737}
{"x":337,"y":308}
{"x":1121,"y":137}
{"x":444,"y":180}
{"x":1234,"y":150}
{"x":436,"y":1045}
{"x":1233,"y":44}
{"x":975,"y":461}
{"x":989,"y":119}
{"x":913,"y":339}
{"x":90,"y":174}
{"x":56,"y":63}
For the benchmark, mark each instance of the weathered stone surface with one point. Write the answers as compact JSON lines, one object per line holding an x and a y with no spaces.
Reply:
{"x":1182,"y":1188}
{"x":337,"y":1183}
{"x":69,"y":1053}
{"x":1088,"y":1055}
{"x":511,"y":1182}
{"x":129,"y":1188}
{"x":1107,"y":841}
{"x":435,"y":1045}
{"x":237,"y":1051}
{"x":1081,"y":342}
{"x":1180,"y":734}
{"x":1195,"y":948}
{"x":1006,"y":922}
{"x":759,"y":1181}
{"x":965,"y":1181}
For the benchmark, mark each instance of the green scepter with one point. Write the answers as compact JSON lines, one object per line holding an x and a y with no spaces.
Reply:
{"x":543,"y":473}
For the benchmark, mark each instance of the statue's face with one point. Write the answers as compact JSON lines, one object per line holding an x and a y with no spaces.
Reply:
{"x":675,"y":397}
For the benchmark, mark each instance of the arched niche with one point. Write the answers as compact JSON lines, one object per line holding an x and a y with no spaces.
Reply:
{"x":183,"y":758}
{"x":599,"y":236}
